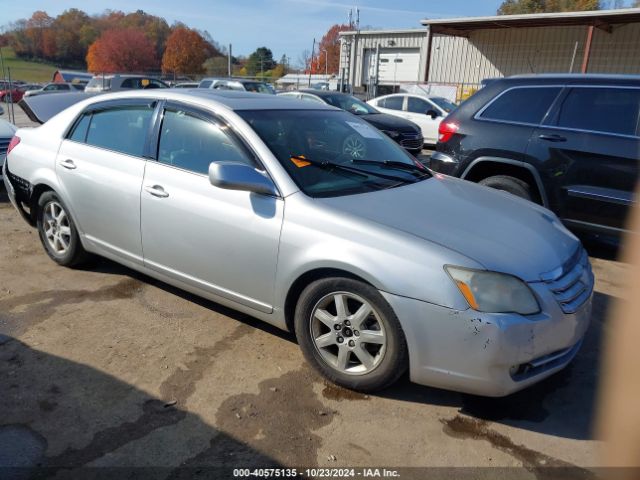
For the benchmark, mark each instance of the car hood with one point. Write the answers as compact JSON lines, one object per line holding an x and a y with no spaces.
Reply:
{"x":501,"y":232}
{"x":6,"y":129}
{"x":384,"y":121}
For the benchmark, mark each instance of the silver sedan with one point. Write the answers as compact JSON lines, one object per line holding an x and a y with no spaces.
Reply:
{"x":378,"y":265}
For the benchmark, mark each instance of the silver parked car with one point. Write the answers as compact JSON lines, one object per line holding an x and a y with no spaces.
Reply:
{"x":375,"y":263}
{"x":55,"y":87}
{"x":117,"y":82}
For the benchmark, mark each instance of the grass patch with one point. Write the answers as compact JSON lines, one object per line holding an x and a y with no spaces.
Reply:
{"x":26,"y":70}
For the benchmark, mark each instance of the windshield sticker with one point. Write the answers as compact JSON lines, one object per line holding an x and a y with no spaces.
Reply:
{"x":365,"y":130}
{"x":299,"y":161}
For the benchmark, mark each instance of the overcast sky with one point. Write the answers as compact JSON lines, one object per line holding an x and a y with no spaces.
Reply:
{"x":285,"y":26}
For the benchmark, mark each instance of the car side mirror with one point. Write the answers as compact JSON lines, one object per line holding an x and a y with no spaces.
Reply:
{"x":433,"y":114}
{"x":239,"y":176}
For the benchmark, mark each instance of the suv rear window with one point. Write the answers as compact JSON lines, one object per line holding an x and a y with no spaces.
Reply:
{"x":521,"y":104}
{"x":609,"y":110}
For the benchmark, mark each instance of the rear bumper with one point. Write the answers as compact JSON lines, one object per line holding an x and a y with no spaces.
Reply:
{"x":488,"y":354}
{"x":443,"y":163}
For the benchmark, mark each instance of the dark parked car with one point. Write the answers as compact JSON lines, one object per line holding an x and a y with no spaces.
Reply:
{"x":404,"y":132}
{"x":568,"y":142}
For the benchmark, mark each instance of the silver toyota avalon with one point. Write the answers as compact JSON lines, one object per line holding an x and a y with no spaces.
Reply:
{"x":259,"y":203}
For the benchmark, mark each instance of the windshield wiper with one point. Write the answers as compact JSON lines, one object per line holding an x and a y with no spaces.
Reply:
{"x":358,"y":171}
{"x":410,"y":167}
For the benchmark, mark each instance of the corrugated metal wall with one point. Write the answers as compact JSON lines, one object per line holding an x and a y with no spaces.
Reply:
{"x":502,"y":52}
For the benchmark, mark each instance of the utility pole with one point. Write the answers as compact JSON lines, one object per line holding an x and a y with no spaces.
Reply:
{"x":326,"y":62}
{"x":313,"y":53}
{"x":229,"y":62}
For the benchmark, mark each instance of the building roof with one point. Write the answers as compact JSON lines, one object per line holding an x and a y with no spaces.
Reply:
{"x":599,"y":18}
{"x":405,"y":31}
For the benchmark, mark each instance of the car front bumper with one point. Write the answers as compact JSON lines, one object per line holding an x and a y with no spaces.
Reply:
{"x":489,"y":354}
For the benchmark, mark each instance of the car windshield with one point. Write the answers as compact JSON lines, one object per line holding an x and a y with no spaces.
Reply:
{"x":333,"y":153}
{"x":257,"y":87}
{"x":349,"y":103}
{"x":444,"y":104}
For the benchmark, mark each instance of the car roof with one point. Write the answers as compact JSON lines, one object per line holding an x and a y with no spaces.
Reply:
{"x":232,"y":100}
{"x":322,"y":93}
{"x":573,"y":78}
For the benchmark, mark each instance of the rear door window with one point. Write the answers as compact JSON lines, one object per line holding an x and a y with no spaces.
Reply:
{"x":418,"y":105}
{"x":521,"y":105}
{"x":607,"y":110}
{"x":121,"y":129}
{"x":392,"y":103}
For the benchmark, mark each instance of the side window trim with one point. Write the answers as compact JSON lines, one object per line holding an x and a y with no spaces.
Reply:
{"x":478,"y":115}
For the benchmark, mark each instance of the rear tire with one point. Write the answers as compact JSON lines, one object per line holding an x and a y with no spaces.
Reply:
{"x":513,"y":185}
{"x":349,"y":333}
{"x":58,"y":233}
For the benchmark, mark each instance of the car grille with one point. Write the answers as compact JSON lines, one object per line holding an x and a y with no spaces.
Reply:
{"x":4,"y":144}
{"x":412,"y":141}
{"x":573,"y":287}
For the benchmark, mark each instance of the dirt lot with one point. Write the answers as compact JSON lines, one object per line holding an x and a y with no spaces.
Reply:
{"x":106,"y":367}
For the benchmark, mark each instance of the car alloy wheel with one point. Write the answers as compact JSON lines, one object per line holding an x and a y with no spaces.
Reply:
{"x":348,"y":333}
{"x":57,"y":229}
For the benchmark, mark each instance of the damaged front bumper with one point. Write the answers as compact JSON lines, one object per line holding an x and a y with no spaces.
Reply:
{"x":490,"y":354}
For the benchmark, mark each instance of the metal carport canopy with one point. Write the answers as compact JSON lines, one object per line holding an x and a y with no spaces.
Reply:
{"x":598,"y":18}
{"x":462,"y":27}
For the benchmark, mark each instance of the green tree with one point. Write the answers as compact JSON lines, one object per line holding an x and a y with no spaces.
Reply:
{"x":516,"y":7}
{"x":260,"y":61}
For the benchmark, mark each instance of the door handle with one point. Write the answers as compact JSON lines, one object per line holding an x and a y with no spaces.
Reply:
{"x":68,"y":164}
{"x":552,"y":138}
{"x":156,"y":191}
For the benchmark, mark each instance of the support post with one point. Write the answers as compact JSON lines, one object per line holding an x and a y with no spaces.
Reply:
{"x":428,"y":57}
{"x":587,"y":50}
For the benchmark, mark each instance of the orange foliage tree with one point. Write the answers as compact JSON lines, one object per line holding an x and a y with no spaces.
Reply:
{"x":330,"y":43}
{"x":186,"y":51}
{"x":122,"y":50}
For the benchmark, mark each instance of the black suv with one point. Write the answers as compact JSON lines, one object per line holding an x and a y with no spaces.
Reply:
{"x":568,"y":142}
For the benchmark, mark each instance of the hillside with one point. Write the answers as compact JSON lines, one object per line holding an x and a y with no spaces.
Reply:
{"x":26,"y":70}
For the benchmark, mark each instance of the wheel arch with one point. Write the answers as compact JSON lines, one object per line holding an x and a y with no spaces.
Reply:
{"x":484,"y":167}
{"x":305,"y":279}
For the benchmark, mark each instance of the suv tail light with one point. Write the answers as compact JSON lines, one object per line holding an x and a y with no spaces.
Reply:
{"x":446,"y":131}
{"x":15,"y":140}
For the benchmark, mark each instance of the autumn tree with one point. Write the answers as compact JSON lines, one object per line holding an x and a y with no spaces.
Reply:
{"x":122,"y":50}
{"x":67,"y":27}
{"x":186,"y":52}
{"x":516,"y":7}
{"x":327,"y":57}
{"x":36,"y":27}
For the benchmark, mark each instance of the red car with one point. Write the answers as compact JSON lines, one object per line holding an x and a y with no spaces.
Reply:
{"x":17,"y":93}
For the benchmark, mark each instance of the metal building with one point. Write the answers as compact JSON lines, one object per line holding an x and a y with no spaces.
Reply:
{"x":400,"y":55}
{"x":465,"y":51}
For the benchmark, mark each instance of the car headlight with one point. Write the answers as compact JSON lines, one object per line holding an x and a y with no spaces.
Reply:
{"x":391,"y":134}
{"x":494,"y":292}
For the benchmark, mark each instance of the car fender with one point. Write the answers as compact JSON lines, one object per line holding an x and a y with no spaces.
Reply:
{"x":515,"y":163}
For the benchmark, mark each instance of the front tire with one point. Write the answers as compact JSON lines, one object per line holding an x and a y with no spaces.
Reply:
{"x":513,"y":185}
{"x":58,"y":233}
{"x":349,"y":333}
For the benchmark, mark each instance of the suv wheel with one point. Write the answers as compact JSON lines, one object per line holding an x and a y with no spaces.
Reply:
{"x":349,"y":333}
{"x":513,"y":185}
